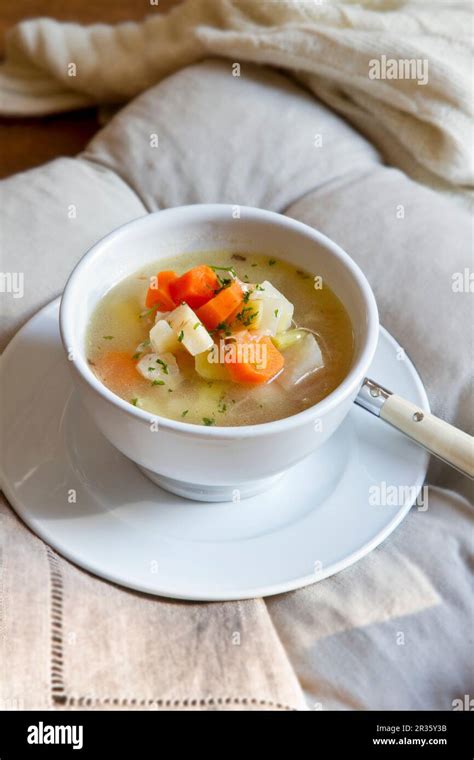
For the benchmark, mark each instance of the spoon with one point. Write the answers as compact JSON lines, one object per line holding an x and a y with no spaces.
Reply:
{"x":446,"y":442}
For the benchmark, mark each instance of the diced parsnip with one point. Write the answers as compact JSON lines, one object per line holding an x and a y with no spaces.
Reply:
{"x":210,"y":370}
{"x":163,"y":338}
{"x":284,"y":340}
{"x":189,"y":330}
{"x":301,"y":359}
{"x":160,"y":369}
{"x":277,"y":310}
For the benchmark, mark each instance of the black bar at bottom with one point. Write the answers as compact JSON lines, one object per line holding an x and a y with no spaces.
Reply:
{"x":136,"y":733}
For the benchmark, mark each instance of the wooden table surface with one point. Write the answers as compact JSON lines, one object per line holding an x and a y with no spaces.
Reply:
{"x":25,"y":143}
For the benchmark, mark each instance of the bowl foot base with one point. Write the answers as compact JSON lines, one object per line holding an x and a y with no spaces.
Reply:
{"x":197,"y":492}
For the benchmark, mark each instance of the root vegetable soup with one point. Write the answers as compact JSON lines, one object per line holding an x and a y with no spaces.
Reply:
{"x":220,"y":338}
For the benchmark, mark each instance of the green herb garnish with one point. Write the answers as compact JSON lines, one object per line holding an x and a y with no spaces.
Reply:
{"x":207,"y":421}
{"x":163,"y":364}
{"x":183,"y":414}
{"x":148,"y":313}
{"x":158,"y":382}
{"x":271,"y":262}
{"x":246,"y":296}
{"x":134,"y":401}
{"x":244,"y":316}
{"x":224,"y":282}
{"x":276,"y":312}
{"x":222,"y":326}
{"x":181,"y":336}
{"x":108,"y":337}
{"x":137,"y":355}
{"x":225,"y":269}
{"x":195,"y":327}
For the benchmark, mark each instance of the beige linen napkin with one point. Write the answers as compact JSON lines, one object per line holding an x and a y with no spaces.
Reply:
{"x":417,"y":109}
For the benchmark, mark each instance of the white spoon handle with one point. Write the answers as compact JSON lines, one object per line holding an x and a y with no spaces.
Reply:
{"x":437,"y":436}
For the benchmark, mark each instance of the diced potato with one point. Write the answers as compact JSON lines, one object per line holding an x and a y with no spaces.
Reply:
{"x":160,"y":369}
{"x":284,"y":340}
{"x":249,"y":316}
{"x":277,"y":310}
{"x":253,"y":319}
{"x":163,"y":338}
{"x":210,"y":370}
{"x":189,"y":330}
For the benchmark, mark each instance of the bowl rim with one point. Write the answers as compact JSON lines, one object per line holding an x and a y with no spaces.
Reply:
{"x":344,"y":390}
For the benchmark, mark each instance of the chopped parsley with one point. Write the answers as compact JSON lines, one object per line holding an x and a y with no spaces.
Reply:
{"x":181,"y":336}
{"x":207,"y":421}
{"x":137,"y":355}
{"x":271,"y":262}
{"x":259,"y":287}
{"x":158,"y":382}
{"x":276,"y":312}
{"x":246,"y":296}
{"x":225,"y":269}
{"x":222,"y":326}
{"x":108,"y":337}
{"x":148,"y":313}
{"x":151,"y":369}
{"x":134,"y":401}
{"x":224,"y":282}
{"x":221,"y":407}
{"x":195,"y":327}
{"x":163,"y":364}
{"x":183,"y":414}
{"x":245,"y":317}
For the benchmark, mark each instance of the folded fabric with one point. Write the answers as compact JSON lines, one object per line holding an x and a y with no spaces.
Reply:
{"x":399,"y":70}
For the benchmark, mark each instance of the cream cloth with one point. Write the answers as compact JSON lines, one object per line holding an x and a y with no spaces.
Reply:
{"x":423,"y":127}
{"x":389,"y":632}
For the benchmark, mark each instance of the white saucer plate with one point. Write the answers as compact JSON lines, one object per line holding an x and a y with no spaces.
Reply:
{"x":97,"y":509}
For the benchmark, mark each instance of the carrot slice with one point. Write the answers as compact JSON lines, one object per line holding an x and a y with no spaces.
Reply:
{"x":117,"y":370}
{"x":252,"y":365}
{"x":195,"y":287}
{"x":159,"y":294}
{"x":225,"y":303}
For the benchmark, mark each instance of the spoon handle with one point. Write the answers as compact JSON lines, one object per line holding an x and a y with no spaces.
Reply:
{"x":437,"y":436}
